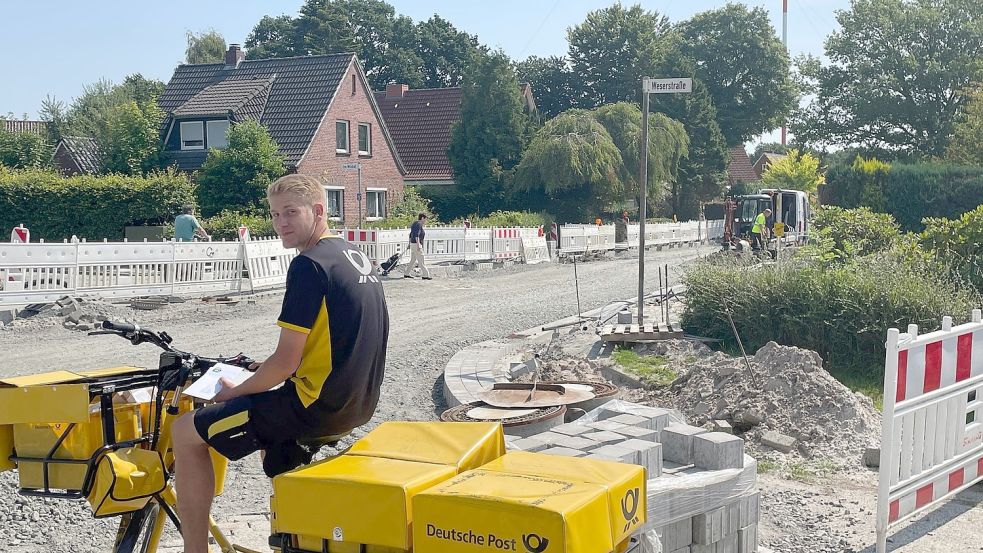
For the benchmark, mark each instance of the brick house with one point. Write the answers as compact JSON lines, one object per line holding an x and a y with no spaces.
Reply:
{"x":766,"y":160}
{"x":421,"y":121}
{"x":739,"y":168}
{"x":318,"y":109}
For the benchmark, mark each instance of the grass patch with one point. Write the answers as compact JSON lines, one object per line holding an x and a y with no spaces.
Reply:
{"x":807,"y":471}
{"x":651,"y":368}
{"x":765,"y":466}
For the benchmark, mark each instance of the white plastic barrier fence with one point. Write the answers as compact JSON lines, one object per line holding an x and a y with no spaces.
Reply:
{"x":267,"y":262}
{"x":444,"y":244}
{"x":43,"y":272}
{"x":478,"y":244}
{"x":578,"y":239}
{"x":506,"y":244}
{"x":932,"y":433}
{"x":534,"y":248}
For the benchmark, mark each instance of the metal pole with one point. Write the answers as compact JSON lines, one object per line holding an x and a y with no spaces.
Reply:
{"x":779,"y":219}
{"x":666,"y":300}
{"x":359,"y":195}
{"x":643,"y":200}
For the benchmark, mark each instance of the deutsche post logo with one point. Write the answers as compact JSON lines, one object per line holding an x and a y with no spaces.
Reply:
{"x":629,"y":508}
{"x":535,"y":543}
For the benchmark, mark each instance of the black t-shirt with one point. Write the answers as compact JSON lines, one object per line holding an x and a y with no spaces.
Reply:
{"x":417,"y":232}
{"x":335,"y":298}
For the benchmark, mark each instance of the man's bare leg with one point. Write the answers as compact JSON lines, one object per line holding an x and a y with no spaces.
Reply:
{"x":195,"y":480}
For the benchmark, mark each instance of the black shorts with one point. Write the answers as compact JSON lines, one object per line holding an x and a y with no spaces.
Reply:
{"x":247,"y":424}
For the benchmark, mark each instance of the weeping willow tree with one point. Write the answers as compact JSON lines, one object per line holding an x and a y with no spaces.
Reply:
{"x":585,"y":163}
{"x":573,"y":161}
{"x":668,"y":144}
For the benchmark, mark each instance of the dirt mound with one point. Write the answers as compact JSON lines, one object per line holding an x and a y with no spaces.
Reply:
{"x":789,"y":393}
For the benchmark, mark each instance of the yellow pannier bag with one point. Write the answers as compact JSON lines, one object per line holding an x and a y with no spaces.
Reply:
{"x":496,"y":511}
{"x":125,"y":480}
{"x":464,"y":445}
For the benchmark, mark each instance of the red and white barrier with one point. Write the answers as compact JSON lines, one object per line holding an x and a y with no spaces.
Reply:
{"x":932,"y":434}
{"x":20,"y":235}
{"x":506,"y":244}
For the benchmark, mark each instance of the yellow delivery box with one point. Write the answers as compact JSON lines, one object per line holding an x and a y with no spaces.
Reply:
{"x":465,"y":445}
{"x":625,"y":483}
{"x":489,"y":512}
{"x":362,"y":500}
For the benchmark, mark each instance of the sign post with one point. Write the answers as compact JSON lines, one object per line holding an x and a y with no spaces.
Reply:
{"x":356,"y":167}
{"x":650,"y":86}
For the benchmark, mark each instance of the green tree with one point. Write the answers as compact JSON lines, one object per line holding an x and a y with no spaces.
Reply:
{"x":895,"y":70}
{"x":24,"y":150}
{"x":129,"y":140}
{"x":445,"y":51}
{"x":967,"y":140}
{"x":205,"y":47}
{"x":668,"y":144}
{"x":88,"y":115}
{"x":488,"y":140}
{"x":236,"y":178}
{"x":272,"y":37}
{"x":553,"y":83}
{"x":742,"y":62}
{"x":796,"y":171}
{"x":575,"y":164}
{"x":613,"y":49}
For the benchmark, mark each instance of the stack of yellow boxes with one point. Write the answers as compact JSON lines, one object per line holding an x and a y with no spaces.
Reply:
{"x":450,"y":487}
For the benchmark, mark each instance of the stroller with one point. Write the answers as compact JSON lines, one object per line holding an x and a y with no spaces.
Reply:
{"x":390,"y":264}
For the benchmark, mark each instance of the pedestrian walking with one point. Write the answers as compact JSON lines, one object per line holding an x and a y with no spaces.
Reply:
{"x":417,"y":235}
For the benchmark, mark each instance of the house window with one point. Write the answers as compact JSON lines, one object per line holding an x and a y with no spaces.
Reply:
{"x":192,"y":135}
{"x":341,"y":134}
{"x":217,"y":134}
{"x":364,"y":139}
{"x":375,"y":203}
{"x":334,"y":202}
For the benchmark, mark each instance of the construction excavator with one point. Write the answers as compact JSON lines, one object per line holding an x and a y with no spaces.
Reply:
{"x":788,"y":223}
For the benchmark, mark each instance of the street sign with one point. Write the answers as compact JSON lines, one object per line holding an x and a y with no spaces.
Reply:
{"x":667,"y":86}
{"x":351,"y":166}
{"x":779,"y":229}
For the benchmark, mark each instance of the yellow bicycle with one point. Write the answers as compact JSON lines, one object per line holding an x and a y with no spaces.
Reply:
{"x":105,"y":436}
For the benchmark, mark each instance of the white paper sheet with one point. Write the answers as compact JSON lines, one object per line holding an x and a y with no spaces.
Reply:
{"x":209,"y":385}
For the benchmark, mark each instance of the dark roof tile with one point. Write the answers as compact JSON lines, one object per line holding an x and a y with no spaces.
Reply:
{"x":84,"y":151}
{"x":17,"y":125}
{"x":420,"y":123}
{"x":739,"y":169}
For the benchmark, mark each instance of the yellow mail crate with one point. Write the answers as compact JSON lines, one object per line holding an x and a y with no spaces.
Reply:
{"x":465,"y":445}
{"x":6,"y":447}
{"x":362,"y":500}
{"x":312,"y":543}
{"x":37,"y":439}
{"x":484,"y":511}
{"x":625,"y":483}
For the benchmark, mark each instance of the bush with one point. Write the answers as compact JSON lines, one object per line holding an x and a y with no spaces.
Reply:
{"x":958,"y":244}
{"x":226,"y":224}
{"x":842,"y":312}
{"x":847,"y":233}
{"x":236,"y":178}
{"x":56,"y":207}
{"x":406,"y":211}
{"x":909,"y":192}
{"x":508,"y":219}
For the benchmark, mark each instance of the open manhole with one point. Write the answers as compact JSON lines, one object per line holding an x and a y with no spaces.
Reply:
{"x":517,"y":422}
{"x":526,"y":395}
{"x":602,"y":392}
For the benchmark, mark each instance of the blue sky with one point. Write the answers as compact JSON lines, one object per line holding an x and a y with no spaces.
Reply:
{"x":55,"y":47}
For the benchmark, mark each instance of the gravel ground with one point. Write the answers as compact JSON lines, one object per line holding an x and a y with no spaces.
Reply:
{"x":430,"y":322}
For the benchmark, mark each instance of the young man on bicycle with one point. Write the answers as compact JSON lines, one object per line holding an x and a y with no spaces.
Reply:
{"x":334,"y":326}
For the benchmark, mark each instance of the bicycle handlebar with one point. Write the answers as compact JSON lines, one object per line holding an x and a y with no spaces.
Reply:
{"x":120,"y":327}
{"x":137,"y":335}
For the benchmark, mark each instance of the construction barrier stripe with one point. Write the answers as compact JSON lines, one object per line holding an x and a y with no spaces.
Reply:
{"x":929,"y":367}
{"x":937,"y":489}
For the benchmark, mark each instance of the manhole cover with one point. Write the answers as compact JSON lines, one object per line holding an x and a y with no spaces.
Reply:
{"x":525,"y":395}
{"x":497,"y":413}
{"x":518,"y":417}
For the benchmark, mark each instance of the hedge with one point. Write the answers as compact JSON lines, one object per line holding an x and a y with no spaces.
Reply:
{"x":909,"y":192}
{"x":56,"y":207}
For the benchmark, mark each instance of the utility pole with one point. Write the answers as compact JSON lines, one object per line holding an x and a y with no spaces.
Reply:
{"x":785,"y":44}
{"x":358,"y":195}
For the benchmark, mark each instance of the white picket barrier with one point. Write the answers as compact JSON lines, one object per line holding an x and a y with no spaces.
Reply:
{"x":573,"y":239}
{"x":506,"y":243}
{"x":478,"y":244}
{"x":444,"y":244}
{"x":44,"y":272}
{"x":932,"y":430}
{"x":534,"y":248}
{"x":378,"y":245}
{"x":266,"y":262}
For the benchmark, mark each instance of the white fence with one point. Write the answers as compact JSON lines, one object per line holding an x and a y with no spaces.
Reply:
{"x":932,"y":434}
{"x":42,"y":272}
{"x":34,"y":273}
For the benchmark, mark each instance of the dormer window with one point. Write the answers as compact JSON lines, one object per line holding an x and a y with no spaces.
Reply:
{"x":217,"y":133}
{"x":192,"y":135}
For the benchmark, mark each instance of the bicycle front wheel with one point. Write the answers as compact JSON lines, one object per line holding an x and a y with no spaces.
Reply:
{"x":138,"y":530}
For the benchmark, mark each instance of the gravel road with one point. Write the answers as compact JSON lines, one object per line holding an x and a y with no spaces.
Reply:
{"x":431,"y":320}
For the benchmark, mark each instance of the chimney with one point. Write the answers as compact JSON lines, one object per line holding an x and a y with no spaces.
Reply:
{"x":234,"y":56}
{"x":396,"y":90}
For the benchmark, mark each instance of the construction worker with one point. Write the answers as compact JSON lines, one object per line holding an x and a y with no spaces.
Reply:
{"x":759,"y":231}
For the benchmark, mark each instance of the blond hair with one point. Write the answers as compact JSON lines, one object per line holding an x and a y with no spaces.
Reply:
{"x":305,"y":187}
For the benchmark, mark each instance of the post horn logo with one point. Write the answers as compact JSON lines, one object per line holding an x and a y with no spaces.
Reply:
{"x":535,"y":543}
{"x":629,"y":507}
